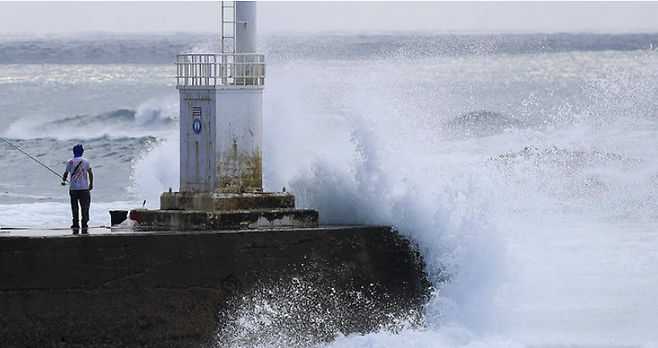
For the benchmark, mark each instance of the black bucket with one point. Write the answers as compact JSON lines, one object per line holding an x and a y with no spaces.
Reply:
{"x":118,"y":216}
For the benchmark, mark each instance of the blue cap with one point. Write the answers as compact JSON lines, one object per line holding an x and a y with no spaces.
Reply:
{"x":78,"y":150}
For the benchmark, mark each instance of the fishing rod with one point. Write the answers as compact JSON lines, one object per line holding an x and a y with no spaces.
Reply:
{"x":32,"y":158}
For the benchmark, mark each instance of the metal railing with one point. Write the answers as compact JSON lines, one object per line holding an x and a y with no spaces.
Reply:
{"x":230,"y":69}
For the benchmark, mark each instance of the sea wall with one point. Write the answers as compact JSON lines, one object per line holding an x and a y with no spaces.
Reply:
{"x":185,"y":289}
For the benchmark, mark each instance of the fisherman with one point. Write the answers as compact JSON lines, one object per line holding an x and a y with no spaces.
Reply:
{"x":82,"y":181}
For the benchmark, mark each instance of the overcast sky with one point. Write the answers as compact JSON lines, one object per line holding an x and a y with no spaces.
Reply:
{"x":344,"y":16}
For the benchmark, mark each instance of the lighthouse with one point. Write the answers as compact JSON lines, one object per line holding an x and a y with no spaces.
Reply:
{"x":221,"y":109}
{"x":221,"y":133}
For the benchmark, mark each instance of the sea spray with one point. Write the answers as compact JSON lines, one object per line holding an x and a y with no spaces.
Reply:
{"x":304,"y":312}
{"x":155,"y":171}
{"x":448,"y":219}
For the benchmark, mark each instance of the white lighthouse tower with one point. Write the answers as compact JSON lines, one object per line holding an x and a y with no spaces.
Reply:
{"x":221,"y":136}
{"x":221,"y":109}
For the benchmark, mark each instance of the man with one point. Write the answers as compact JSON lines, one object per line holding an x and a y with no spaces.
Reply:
{"x":82,"y":181}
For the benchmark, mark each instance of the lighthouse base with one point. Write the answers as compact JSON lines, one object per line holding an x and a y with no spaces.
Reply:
{"x":191,"y":220}
{"x":191,"y":211}
{"x":226,"y":201}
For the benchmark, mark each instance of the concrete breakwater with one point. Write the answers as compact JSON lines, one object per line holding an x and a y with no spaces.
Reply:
{"x":186,"y":289}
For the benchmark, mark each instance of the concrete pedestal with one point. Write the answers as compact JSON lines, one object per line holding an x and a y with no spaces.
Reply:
{"x":226,"y":201}
{"x":188,"y":211}
{"x":188,"y":220}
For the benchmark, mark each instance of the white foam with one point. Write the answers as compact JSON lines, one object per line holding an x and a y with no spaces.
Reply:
{"x":156,"y":171}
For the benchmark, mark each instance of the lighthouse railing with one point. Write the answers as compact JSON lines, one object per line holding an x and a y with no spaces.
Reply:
{"x":229,"y":69}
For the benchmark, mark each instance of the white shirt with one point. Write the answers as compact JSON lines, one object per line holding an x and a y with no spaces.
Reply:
{"x":77,"y":167}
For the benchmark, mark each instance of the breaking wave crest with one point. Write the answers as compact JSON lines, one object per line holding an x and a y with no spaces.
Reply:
{"x":150,"y":119}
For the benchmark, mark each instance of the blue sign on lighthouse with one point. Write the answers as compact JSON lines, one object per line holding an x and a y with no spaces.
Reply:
{"x":196,"y":125}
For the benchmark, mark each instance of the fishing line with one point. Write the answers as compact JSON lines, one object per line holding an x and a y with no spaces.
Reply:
{"x":32,"y":158}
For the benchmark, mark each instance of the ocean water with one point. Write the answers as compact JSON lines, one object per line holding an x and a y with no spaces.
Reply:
{"x":525,"y":166}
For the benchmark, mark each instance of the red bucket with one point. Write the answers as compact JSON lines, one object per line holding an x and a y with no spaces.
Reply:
{"x":134,"y":215}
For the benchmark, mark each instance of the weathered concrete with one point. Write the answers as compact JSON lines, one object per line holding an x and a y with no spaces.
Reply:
{"x":221,"y":211}
{"x":181,"y":220}
{"x":182,"y":289}
{"x":226,"y":201}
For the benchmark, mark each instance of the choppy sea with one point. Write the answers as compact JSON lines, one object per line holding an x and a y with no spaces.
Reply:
{"x":524,"y":165}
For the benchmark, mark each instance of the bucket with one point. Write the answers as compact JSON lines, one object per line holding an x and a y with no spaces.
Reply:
{"x":118,"y":216}
{"x":134,"y":215}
